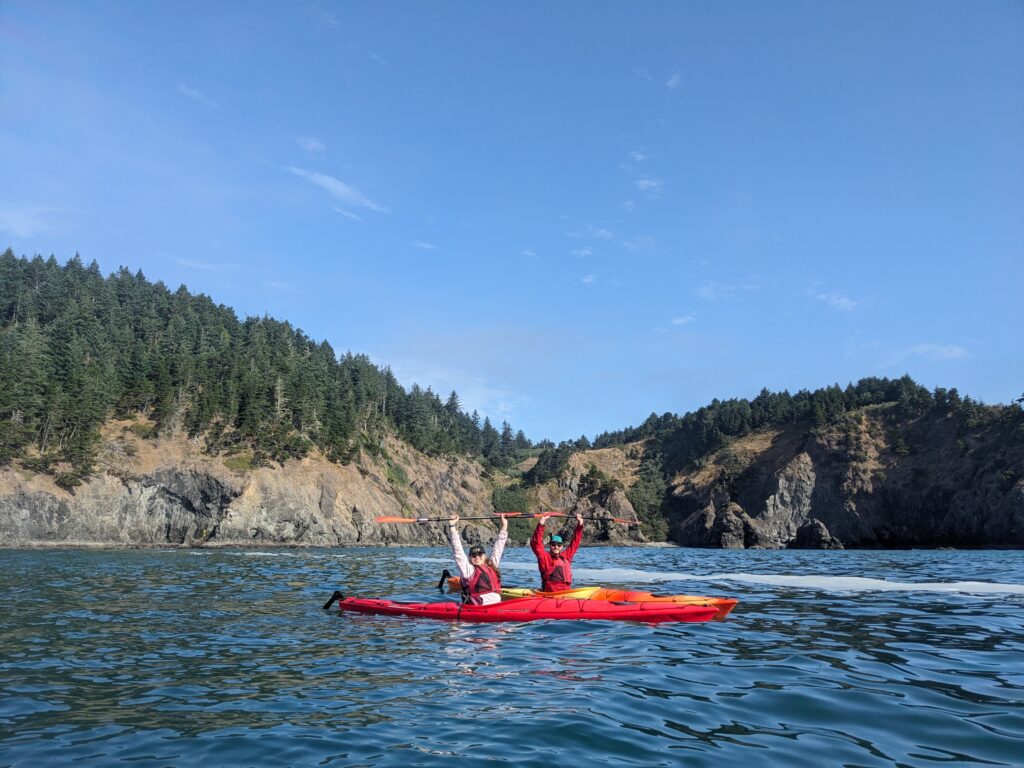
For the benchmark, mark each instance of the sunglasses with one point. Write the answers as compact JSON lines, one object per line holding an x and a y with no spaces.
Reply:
{"x":476,"y":554}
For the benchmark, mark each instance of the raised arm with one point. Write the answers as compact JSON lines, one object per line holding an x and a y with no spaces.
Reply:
{"x":461,"y":561}
{"x":577,"y":537}
{"x":537,"y":540}
{"x":499,"y":543}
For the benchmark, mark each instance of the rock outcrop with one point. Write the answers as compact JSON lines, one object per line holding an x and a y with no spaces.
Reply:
{"x":167,"y":492}
{"x":814,"y":535}
{"x":568,"y":494}
{"x":873,"y":481}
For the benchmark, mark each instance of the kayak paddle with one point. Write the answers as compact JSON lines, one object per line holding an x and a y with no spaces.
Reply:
{"x":520,"y":515}
{"x":336,"y":596}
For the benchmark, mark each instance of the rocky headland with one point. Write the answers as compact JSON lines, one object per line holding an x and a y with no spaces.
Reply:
{"x":168,"y":491}
{"x":869,"y":481}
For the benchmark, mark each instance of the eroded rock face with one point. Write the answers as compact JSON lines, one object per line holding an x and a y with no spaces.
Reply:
{"x":172,"y":494}
{"x":192,"y":499}
{"x":814,"y":535}
{"x":853,"y":489}
{"x":565,"y":494}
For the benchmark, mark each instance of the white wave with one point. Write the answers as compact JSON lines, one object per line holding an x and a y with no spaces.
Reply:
{"x":862,"y":584}
{"x":819,"y":582}
{"x":262,"y":554}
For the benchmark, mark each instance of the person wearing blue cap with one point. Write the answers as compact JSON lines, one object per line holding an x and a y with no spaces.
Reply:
{"x":555,"y":563}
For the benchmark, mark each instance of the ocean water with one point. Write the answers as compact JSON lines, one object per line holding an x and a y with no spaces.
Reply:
{"x":225,"y":657}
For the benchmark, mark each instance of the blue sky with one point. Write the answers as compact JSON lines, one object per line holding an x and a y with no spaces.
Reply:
{"x":574,"y":214}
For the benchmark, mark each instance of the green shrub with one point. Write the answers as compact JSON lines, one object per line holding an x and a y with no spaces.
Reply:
{"x":240,"y":462}
{"x":397,"y":474}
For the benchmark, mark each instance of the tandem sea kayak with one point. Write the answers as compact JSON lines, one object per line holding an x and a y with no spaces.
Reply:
{"x":528,"y":609}
{"x":722,"y":605}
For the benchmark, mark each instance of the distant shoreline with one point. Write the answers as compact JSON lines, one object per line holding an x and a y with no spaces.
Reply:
{"x":114,"y":546}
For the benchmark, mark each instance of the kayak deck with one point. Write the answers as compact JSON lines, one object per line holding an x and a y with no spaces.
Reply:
{"x":722,"y":605}
{"x":532,"y":609}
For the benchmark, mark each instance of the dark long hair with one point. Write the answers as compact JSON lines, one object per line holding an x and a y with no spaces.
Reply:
{"x":493,"y":565}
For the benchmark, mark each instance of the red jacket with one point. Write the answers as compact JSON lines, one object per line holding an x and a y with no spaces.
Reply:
{"x":555,"y":572}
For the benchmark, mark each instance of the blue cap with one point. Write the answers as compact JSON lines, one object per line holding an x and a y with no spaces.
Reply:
{"x":556,"y":539}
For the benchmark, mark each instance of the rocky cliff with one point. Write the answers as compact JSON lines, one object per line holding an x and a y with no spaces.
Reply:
{"x":568,"y":492}
{"x":169,"y":492}
{"x":871,"y":481}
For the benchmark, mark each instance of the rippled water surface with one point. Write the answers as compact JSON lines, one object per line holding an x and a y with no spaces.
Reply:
{"x":224,"y":657}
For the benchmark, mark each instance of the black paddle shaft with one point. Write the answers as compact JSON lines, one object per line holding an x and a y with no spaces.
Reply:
{"x":336,"y":596}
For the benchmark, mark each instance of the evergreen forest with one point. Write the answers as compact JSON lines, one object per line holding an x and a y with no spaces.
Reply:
{"x":78,"y":348}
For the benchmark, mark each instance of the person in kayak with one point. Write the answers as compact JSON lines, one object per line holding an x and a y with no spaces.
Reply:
{"x":481,"y":579}
{"x":555,"y":564}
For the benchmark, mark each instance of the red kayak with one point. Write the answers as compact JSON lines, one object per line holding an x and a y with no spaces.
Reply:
{"x":529,"y":609}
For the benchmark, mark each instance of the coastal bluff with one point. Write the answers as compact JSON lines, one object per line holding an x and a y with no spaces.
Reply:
{"x":871,"y":481}
{"x":167,"y":491}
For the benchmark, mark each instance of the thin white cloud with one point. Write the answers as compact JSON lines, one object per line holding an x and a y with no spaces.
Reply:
{"x":684,"y":320}
{"x":206,"y":266}
{"x":649,"y":186}
{"x":713,"y":291}
{"x":582,"y":252}
{"x":311,"y":144}
{"x":348,"y":214}
{"x":529,"y":254}
{"x":475,"y":392}
{"x":640,"y":243}
{"x":328,"y":20}
{"x":380,"y":60}
{"x":277,"y":285}
{"x":838,"y":301}
{"x":642,"y":74}
{"x":638,"y":157}
{"x":629,"y":206}
{"x":675,"y":81}
{"x":588,"y":279}
{"x":199,"y":96}
{"x":424,"y":246}
{"x":590,"y":232}
{"x":939,"y":351}
{"x":339,"y":189}
{"x":25,"y":223}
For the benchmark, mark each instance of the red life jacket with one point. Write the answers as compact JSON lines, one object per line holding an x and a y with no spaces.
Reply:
{"x":558,"y":577}
{"x":484,"y":579}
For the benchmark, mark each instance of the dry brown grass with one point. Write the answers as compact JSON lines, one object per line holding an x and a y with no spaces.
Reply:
{"x":619,"y":462}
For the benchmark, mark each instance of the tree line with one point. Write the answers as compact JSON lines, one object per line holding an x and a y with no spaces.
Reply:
{"x":681,"y":440}
{"x":78,"y":348}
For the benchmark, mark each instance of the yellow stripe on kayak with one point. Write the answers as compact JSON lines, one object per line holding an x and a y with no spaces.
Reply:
{"x":582,"y":593}
{"x":723,"y":604}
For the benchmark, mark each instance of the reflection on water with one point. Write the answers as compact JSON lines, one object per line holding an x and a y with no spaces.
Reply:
{"x":171,"y":657}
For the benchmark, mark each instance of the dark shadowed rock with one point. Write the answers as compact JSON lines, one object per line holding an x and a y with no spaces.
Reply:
{"x":875,"y":480}
{"x":814,"y":535}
